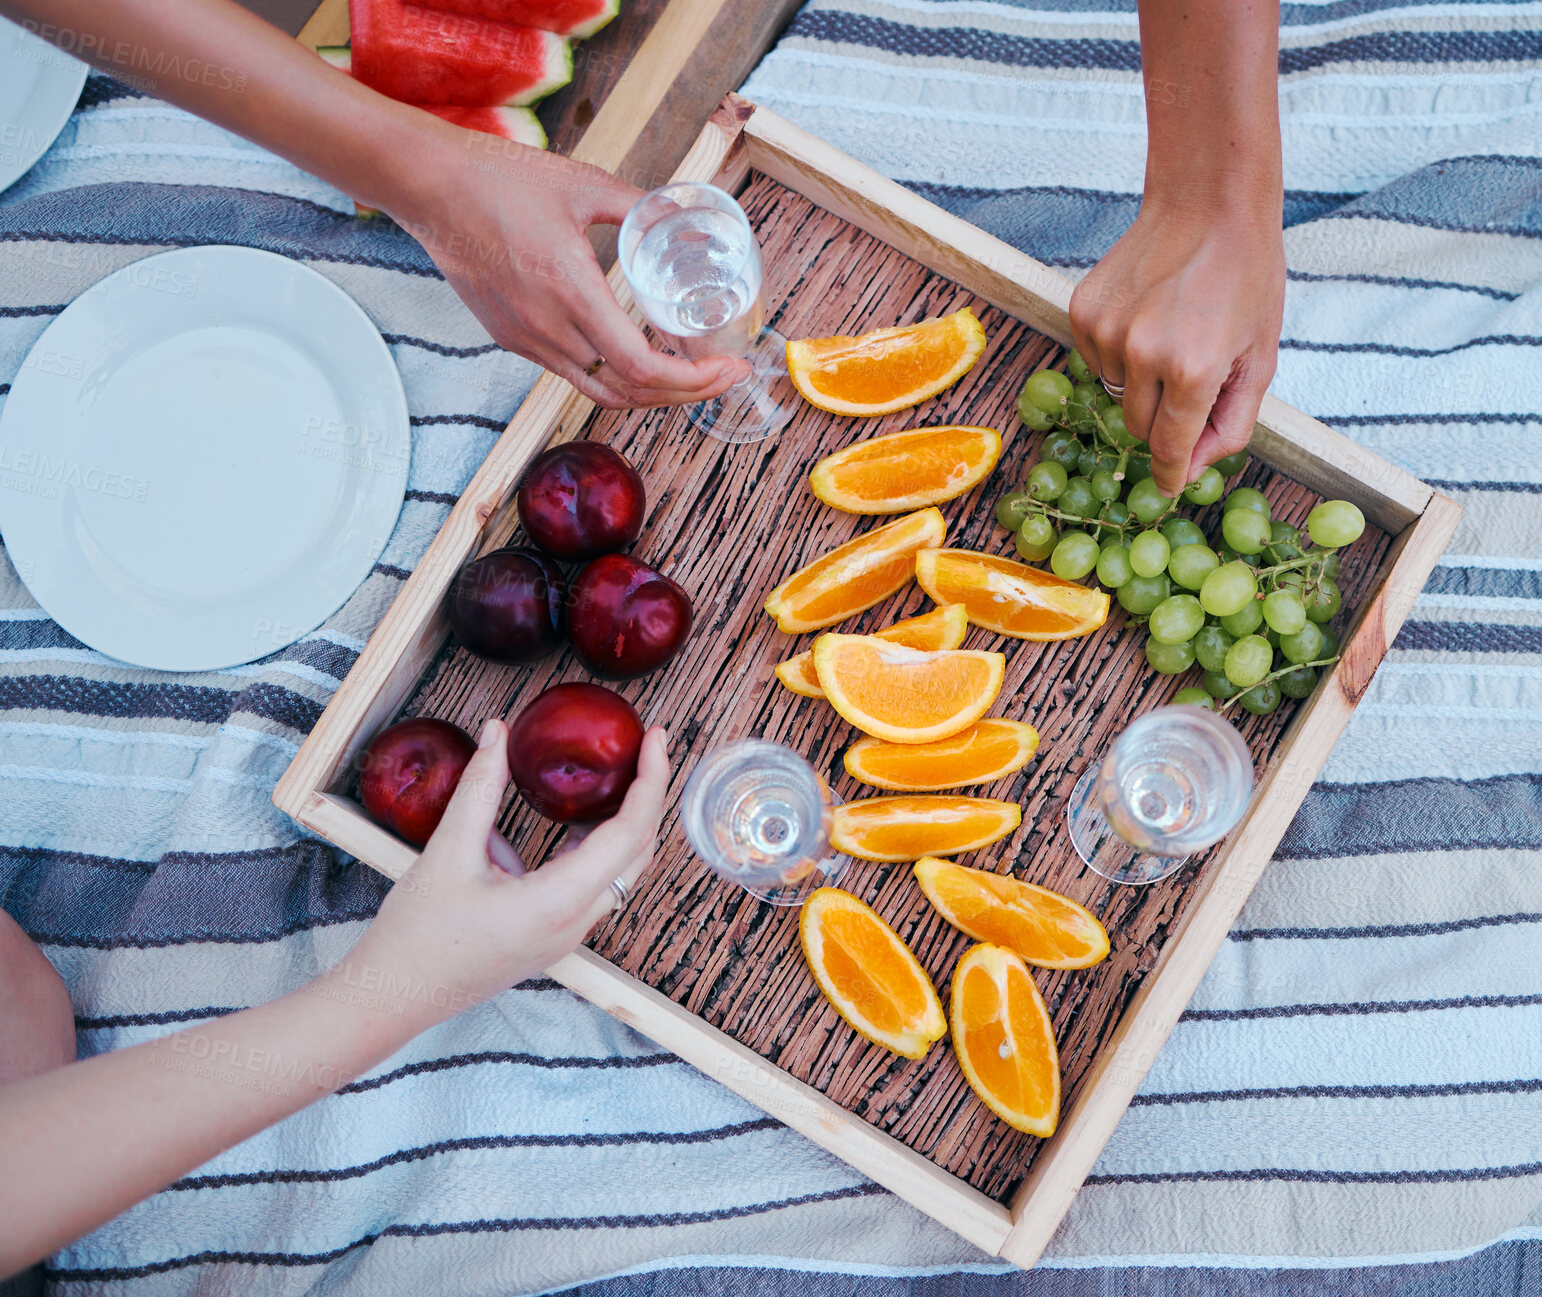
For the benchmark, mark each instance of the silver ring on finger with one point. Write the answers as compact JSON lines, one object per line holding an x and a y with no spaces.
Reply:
{"x":621,"y":891}
{"x":1115,"y":390}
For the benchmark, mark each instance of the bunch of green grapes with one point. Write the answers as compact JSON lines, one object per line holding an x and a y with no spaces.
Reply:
{"x":1251,"y":605}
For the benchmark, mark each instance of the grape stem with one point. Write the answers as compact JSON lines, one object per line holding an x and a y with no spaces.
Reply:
{"x":1275,"y":675}
{"x":1050,"y":511}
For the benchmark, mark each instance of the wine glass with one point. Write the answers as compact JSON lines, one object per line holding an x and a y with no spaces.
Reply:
{"x":759,"y":815}
{"x":1176,"y":781}
{"x":691,"y":259}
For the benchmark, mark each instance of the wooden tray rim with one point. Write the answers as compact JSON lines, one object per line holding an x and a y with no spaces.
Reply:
{"x":740,"y":137}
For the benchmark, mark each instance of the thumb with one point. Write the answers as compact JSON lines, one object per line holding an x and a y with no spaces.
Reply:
{"x":469,"y":817}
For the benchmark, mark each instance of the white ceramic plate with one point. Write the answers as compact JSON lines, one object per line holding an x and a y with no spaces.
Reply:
{"x":38,"y":89}
{"x":202,"y":458}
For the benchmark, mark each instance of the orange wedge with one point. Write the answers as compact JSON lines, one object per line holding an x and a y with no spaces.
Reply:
{"x":984,"y":752}
{"x":1004,"y":1039}
{"x":906,"y":470}
{"x":907,"y":828}
{"x":942,"y":628}
{"x":1011,"y":598}
{"x":888,"y":369}
{"x":856,"y":575}
{"x":1041,"y":926}
{"x":869,"y":976}
{"x":903,"y":694}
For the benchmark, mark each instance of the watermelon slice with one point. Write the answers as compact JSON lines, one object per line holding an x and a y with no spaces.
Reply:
{"x":519,"y":125}
{"x":576,"y":18}
{"x":427,"y":56}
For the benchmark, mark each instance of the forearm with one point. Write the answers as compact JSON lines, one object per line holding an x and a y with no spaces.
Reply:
{"x":1212,"y":108}
{"x":85,"y":1142}
{"x":215,"y":59}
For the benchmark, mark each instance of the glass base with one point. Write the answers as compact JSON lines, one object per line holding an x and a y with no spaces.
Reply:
{"x":827,"y":873}
{"x":1102,"y":849}
{"x":756,"y":407}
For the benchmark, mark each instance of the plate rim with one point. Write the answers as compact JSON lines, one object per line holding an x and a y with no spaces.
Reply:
{"x":397,"y":394}
{"x":78,"y":75}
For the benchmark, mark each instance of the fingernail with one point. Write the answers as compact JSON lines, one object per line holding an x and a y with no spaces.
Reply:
{"x":489,"y":735}
{"x":664,"y":739}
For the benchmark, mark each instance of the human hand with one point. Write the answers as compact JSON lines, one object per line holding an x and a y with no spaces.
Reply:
{"x":467,"y":921}
{"x":507,"y":224}
{"x":1185,"y":311}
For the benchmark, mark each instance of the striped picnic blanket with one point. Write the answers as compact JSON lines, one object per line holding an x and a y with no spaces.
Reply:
{"x":1357,"y":1078}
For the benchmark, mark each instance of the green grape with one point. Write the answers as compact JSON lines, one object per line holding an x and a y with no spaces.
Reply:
{"x":1231,"y":465}
{"x":1117,"y":512}
{"x":1207,"y":488}
{"x":1076,"y":367}
{"x":1273,"y":636}
{"x":1298,"y":683}
{"x":1323,"y":601}
{"x":1335,"y":523}
{"x":1284,"y":543}
{"x":1109,"y":539}
{"x":1284,"y":611}
{"x":1114,"y":566}
{"x":1330,"y":642}
{"x":1032,"y":416}
{"x":1146,"y":502}
{"x":1228,"y":590}
{"x":1180,"y":531}
{"x":1169,"y":659}
{"x":1012,"y":508}
{"x":1140,"y":594}
{"x":1248,"y":660}
{"x":1114,"y":431}
{"x":1074,"y":557}
{"x":1261,"y":699}
{"x":1331,"y":565}
{"x":1304,"y":645}
{"x":1177,"y":619}
{"x":1244,"y":621}
{"x":1192,"y":697}
{"x":1245,"y":497}
{"x":1148,"y":553}
{"x":1046,"y":480}
{"x":1037,"y":538}
{"x":1191,"y":564}
{"x":1138,"y":469}
{"x":1210,"y":647}
{"x":1246,"y":531}
{"x":1217,"y":685}
{"x":1086,"y":394}
{"x":1229,"y":555}
{"x":1077,"y":498}
{"x":1061,"y":448}
{"x":1046,"y":391}
{"x":1105,"y":485}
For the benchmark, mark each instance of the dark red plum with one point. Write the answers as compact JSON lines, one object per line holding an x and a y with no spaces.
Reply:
{"x":580,"y":500}
{"x":626,"y":619}
{"x":573,"y":752}
{"x":409,"y":772}
{"x":509,"y":606}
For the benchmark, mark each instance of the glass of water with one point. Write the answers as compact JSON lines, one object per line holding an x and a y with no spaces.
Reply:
{"x":1176,"y":781}
{"x":759,"y":815}
{"x":694,"y":268}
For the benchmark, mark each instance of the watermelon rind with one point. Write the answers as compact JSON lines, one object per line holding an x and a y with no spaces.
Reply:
{"x":600,"y":19}
{"x":339,"y":56}
{"x":523,"y":126}
{"x":559,"y":52}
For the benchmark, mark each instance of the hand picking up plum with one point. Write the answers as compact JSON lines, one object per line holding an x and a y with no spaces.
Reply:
{"x":573,"y":752}
{"x":409,"y":772}
{"x":580,"y":500}
{"x":626,"y":618}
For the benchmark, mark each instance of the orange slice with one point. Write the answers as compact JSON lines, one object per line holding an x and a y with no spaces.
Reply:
{"x":1011,"y":598}
{"x":888,"y":369}
{"x":903,"y":694}
{"x":942,"y":628}
{"x":984,"y":752}
{"x":869,"y":976}
{"x":907,"y":828}
{"x":1004,"y":1039}
{"x":906,"y":470}
{"x":855,"y":575}
{"x":1042,"y":926}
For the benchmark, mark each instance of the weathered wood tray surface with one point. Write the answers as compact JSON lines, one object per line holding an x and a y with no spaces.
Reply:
{"x":728,"y":522}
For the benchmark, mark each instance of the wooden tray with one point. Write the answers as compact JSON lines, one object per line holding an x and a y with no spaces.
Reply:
{"x":696,"y":964}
